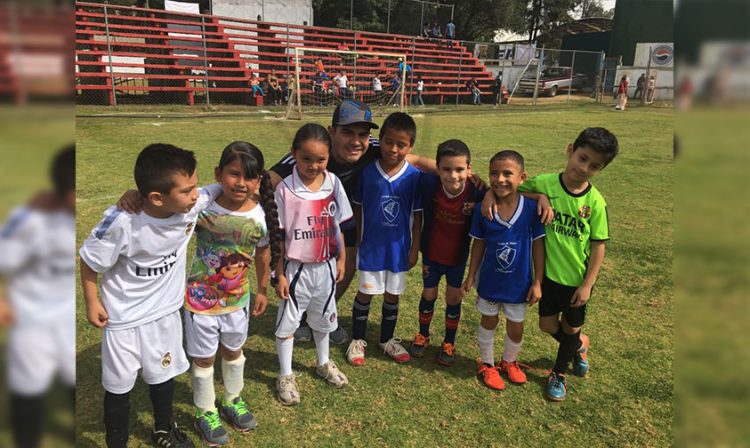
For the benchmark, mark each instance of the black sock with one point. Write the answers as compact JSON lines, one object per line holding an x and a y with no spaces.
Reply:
{"x":426,"y":310}
{"x":388,"y":321}
{"x":303,"y":320}
{"x":162,"y":396}
{"x":568,"y":346}
{"x":559,"y":335}
{"x":360,"y":314}
{"x":452,"y":317}
{"x":116,"y":417}
{"x":26,"y":419}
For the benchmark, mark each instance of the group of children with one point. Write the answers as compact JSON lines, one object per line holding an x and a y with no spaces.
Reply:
{"x":399,"y":212}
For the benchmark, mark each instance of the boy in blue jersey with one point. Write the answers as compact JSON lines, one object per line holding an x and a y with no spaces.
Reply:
{"x":506,"y":247}
{"x":388,"y":212}
{"x":449,"y":201}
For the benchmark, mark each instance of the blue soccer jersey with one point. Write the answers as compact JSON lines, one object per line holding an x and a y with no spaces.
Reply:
{"x":388,"y":204}
{"x":506,"y":274}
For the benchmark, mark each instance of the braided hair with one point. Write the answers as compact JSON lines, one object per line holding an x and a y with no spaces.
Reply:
{"x":252,"y":163}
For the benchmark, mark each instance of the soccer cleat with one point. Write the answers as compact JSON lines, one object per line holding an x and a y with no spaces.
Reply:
{"x":210,"y":429}
{"x":514,"y":372}
{"x":447,"y":355}
{"x":303,"y":334}
{"x":490,"y":376}
{"x":174,"y":438}
{"x":395,"y":350}
{"x":237,"y":414}
{"x":331,"y":373}
{"x":339,"y":336}
{"x":555,"y":390}
{"x":287,"y":388}
{"x":356,"y":352}
{"x":581,"y":357}
{"x":419,"y":345}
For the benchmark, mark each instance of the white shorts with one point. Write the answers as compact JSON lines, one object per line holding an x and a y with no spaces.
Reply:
{"x":312,"y":288}
{"x":36,"y":353}
{"x":373,"y":283}
{"x":204,"y":332}
{"x":514,"y":312}
{"x":154,"y":348}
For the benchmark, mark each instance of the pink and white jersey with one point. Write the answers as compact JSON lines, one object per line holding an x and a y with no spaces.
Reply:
{"x":311,"y":219}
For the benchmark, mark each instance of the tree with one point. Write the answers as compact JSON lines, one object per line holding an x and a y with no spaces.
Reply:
{"x":594,"y":8}
{"x":545,"y":15}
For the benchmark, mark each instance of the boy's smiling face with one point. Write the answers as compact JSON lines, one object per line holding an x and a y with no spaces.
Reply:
{"x":395,"y":144}
{"x":505,"y":177}
{"x":453,"y":172}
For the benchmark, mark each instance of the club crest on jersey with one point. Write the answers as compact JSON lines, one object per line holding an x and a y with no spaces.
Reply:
{"x":166,"y":360}
{"x":329,"y":211}
{"x":332,"y":319}
{"x":584,"y":212}
{"x":468,"y":208}
{"x":390,"y":210}
{"x":505,"y":256}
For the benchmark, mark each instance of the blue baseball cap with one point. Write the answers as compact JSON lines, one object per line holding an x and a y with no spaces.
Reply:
{"x":353,"y":112}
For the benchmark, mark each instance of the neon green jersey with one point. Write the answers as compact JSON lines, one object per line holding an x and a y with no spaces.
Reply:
{"x":579,"y":219}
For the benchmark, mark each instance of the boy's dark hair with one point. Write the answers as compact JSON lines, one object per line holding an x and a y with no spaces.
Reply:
{"x":62,"y":171}
{"x":600,"y":141}
{"x":158,"y":163}
{"x":453,"y":148}
{"x":509,"y":154}
{"x":400,"y":121}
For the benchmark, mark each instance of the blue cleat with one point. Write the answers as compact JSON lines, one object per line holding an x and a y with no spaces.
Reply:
{"x":555,"y":390}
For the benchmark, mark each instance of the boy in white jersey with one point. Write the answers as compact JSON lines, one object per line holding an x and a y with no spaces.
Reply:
{"x":142,"y":260}
{"x":37,"y":274}
{"x":390,"y":220}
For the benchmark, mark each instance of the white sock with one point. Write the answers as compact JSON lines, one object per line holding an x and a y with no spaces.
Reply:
{"x":232,"y":372}
{"x":486,"y":339}
{"x":510,"y":353}
{"x":321,"y":346}
{"x":204,"y":395}
{"x":284,"y":348}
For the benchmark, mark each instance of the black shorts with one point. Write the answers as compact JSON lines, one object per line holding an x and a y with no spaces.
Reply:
{"x":350,"y":236}
{"x":556,"y":300}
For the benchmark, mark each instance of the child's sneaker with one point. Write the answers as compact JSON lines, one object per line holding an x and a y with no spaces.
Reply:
{"x":173,"y":438}
{"x":419,"y":345}
{"x":356,"y":352}
{"x":237,"y":414}
{"x":514,"y":372}
{"x":303,"y":334}
{"x":447,"y":355}
{"x":331,"y":373}
{"x":339,"y":336}
{"x":395,"y":350}
{"x":555,"y":390}
{"x":581,"y":357}
{"x":287,"y":387}
{"x":490,"y":376}
{"x":209,"y":428}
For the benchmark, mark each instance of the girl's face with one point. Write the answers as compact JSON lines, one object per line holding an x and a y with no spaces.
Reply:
{"x":312,"y":159}
{"x":237,"y":187}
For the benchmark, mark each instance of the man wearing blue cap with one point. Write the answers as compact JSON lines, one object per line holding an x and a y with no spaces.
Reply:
{"x":352,"y":149}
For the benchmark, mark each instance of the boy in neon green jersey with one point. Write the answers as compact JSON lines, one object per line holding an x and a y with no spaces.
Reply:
{"x":575,"y":249}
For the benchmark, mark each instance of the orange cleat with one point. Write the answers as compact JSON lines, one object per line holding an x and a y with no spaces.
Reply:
{"x":490,"y":376}
{"x":514,"y":372}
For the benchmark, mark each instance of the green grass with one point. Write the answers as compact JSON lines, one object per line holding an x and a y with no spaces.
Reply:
{"x":626,"y":400}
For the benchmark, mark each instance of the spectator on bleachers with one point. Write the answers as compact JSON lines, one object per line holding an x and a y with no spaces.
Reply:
{"x":473,"y":87}
{"x":319,"y":66}
{"x":342,"y":85}
{"x":401,"y":66}
{"x":420,"y":88}
{"x":427,"y":31}
{"x":436,"y":31}
{"x":450,"y":32}
{"x":287,"y":87}
{"x":274,"y":88}
{"x":255,"y":85}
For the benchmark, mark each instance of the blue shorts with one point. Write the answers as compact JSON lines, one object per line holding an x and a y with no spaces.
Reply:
{"x":432,"y":271}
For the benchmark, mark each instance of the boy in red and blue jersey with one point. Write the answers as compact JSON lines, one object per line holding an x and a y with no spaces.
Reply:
{"x":445,"y":242}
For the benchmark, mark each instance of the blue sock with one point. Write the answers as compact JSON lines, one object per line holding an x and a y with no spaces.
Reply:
{"x":452,"y":317}
{"x":360,"y":314}
{"x":426,"y":310}
{"x":388,"y":322}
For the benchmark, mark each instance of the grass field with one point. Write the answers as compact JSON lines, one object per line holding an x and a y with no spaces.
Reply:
{"x":626,"y":400}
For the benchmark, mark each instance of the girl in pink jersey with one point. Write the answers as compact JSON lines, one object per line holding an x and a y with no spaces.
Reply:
{"x":312,"y":205}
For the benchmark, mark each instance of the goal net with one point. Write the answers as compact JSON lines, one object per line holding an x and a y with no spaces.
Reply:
{"x":323,"y":78}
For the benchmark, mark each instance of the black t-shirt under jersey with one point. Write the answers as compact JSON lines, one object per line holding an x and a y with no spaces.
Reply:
{"x":346,"y":172}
